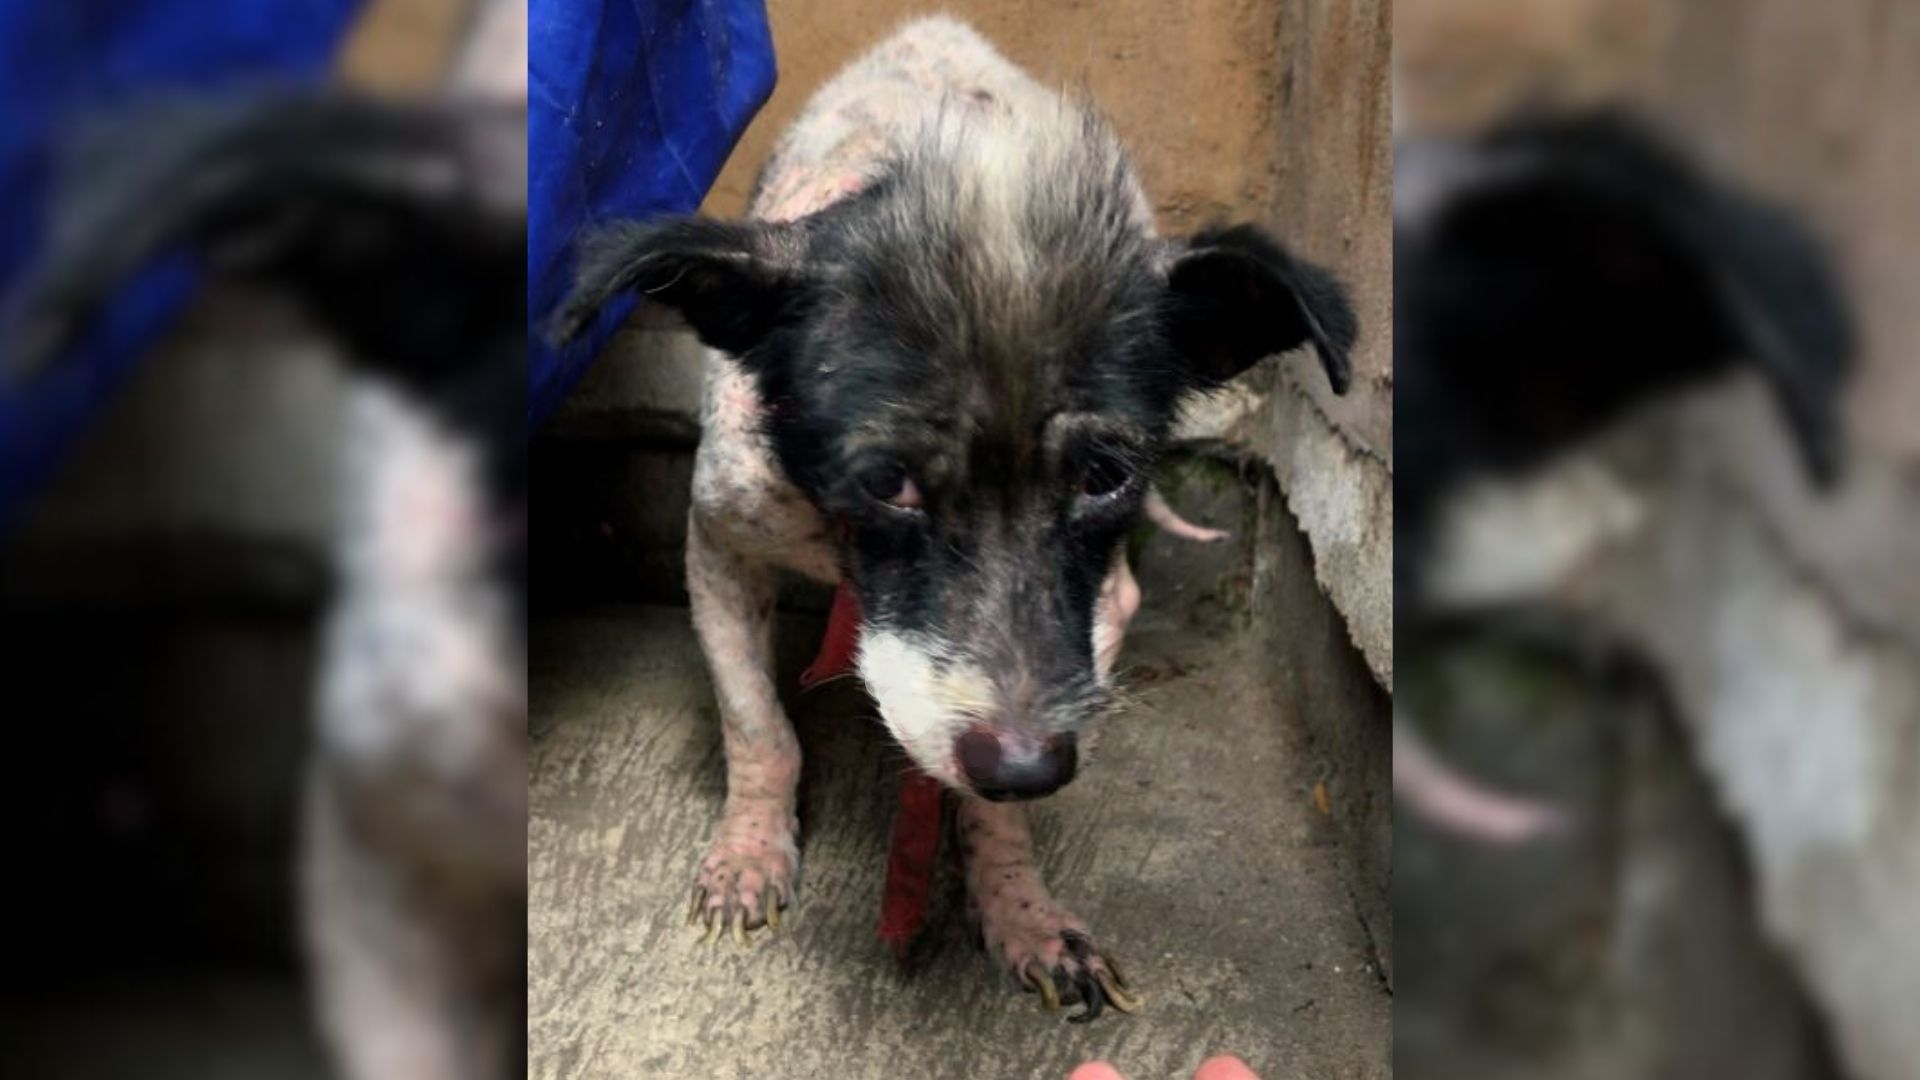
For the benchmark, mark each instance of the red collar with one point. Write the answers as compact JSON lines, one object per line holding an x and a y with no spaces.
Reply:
{"x":914,"y":847}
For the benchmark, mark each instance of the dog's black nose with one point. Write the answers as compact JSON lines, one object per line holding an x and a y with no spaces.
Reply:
{"x":1000,"y":769}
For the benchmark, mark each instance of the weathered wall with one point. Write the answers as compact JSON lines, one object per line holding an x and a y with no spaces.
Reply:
{"x":1204,"y":160}
{"x":1796,"y":637}
{"x":1331,"y":197}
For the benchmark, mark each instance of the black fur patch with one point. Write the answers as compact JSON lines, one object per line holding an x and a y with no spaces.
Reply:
{"x":383,"y":221}
{"x":1237,"y":296}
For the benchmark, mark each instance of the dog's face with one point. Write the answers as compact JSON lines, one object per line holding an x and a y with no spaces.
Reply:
{"x":983,"y":455}
{"x":969,"y":374}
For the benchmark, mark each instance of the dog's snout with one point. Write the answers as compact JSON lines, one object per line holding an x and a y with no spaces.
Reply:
{"x":1001,"y":768}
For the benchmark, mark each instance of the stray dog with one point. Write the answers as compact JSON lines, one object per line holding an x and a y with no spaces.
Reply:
{"x":401,"y":231}
{"x":1553,"y":278}
{"x":946,"y":352}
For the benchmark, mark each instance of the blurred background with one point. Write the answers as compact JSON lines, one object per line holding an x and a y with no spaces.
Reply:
{"x":1710,"y":673}
{"x":172,"y":506}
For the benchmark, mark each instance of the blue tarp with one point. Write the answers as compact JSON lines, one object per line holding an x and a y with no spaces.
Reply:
{"x":633,"y":106}
{"x":60,"y":58}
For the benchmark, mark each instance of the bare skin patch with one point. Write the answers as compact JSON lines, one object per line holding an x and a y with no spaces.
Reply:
{"x":754,"y":860}
{"x":1046,"y":948}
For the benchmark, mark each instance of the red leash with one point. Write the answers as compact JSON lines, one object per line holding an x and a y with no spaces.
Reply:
{"x":914,"y":846}
{"x":837,"y":649}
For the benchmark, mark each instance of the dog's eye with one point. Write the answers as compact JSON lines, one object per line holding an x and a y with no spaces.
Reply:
{"x":889,"y":483}
{"x":1105,"y":475}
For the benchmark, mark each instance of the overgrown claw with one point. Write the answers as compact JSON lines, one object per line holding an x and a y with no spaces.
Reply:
{"x":1090,"y":996}
{"x":773,"y":911}
{"x":1049,"y":997}
{"x":1098,"y":980}
{"x":693,"y":910}
{"x":740,"y":926}
{"x":1117,"y":992}
{"x":713,"y":929}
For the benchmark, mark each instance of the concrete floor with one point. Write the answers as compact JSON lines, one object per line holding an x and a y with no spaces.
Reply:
{"x":1191,"y":844}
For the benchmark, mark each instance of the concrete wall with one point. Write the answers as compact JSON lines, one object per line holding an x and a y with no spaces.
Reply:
{"x":1331,"y":197}
{"x":1794,"y":622}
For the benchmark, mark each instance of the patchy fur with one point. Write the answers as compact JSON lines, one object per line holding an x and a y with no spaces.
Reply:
{"x":948,"y":348}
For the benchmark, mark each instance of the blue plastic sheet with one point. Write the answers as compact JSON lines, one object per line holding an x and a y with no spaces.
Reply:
{"x":60,"y":58}
{"x":633,"y":107}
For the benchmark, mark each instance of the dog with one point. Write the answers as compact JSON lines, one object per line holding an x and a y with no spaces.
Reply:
{"x":400,"y":230}
{"x":945,"y":350}
{"x":1555,"y":277}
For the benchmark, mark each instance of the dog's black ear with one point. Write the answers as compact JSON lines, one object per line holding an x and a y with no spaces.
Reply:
{"x":1781,"y":304}
{"x":1236,"y":296}
{"x":381,"y":219}
{"x":1586,"y":268}
{"x":733,"y":282}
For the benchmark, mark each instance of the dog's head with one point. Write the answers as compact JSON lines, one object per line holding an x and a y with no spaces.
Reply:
{"x":969,"y":368}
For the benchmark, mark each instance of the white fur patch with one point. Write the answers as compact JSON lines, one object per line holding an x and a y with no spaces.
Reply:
{"x":419,"y":665}
{"x":1506,"y":541}
{"x":926,"y":696}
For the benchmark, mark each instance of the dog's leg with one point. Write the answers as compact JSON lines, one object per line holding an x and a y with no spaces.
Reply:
{"x":416,"y":973}
{"x":752,"y":865}
{"x":1043,"y":945}
{"x":1119,"y":599}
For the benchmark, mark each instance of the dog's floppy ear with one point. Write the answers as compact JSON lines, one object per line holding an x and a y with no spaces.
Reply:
{"x":733,"y":282}
{"x":1782,"y":306}
{"x":1588,"y":266}
{"x":382,"y":219}
{"x":1234,"y":296}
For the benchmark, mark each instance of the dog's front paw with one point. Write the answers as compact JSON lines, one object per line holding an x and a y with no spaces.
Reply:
{"x":1050,"y":953}
{"x":748,"y":876}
